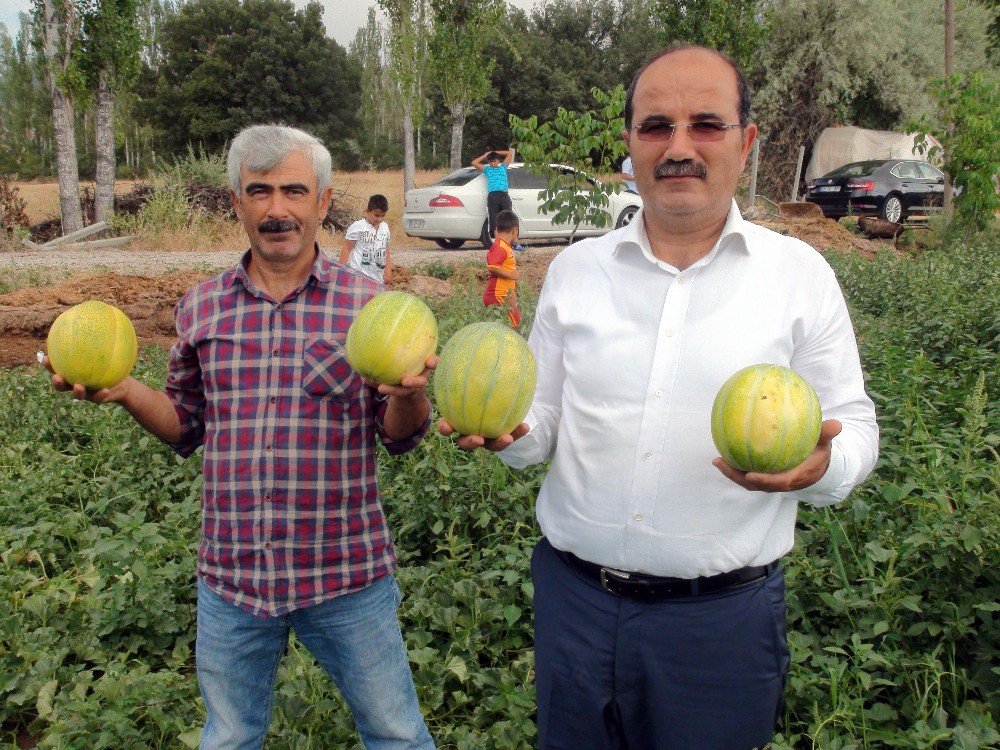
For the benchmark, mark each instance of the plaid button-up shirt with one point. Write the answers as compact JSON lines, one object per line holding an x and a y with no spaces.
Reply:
{"x":291,"y":513}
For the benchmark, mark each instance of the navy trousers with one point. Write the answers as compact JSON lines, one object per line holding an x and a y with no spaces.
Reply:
{"x":698,"y":673}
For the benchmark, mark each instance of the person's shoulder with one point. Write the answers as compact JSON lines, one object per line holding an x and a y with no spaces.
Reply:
{"x":359,"y":225}
{"x":785,"y":251}
{"x":586,"y":255}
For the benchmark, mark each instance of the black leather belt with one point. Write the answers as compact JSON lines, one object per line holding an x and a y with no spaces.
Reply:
{"x":654,"y":588}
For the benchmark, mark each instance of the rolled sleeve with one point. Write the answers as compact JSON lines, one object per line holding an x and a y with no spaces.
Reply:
{"x":397,"y":447}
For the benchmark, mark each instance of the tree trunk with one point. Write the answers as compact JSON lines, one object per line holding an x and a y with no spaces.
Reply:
{"x":63,"y":124}
{"x":104,"y":142}
{"x":409,"y":154}
{"x":457,"y":133}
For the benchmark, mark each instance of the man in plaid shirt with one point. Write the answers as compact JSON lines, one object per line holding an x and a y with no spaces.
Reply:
{"x":293,"y":531}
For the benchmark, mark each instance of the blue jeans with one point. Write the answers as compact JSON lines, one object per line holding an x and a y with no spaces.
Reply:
{"x":355,"y":637}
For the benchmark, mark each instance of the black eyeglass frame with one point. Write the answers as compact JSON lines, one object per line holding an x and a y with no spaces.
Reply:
{"x":716,"y":130}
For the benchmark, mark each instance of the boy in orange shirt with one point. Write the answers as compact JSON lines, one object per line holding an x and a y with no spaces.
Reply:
{"x":501,"y":287}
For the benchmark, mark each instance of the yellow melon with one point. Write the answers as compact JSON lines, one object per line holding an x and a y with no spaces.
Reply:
{"x":485,"y":380}
{"x":391,"y":337}
{"x":92,"y":344}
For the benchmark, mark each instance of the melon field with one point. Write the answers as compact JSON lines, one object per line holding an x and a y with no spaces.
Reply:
{"x":893,"y":620}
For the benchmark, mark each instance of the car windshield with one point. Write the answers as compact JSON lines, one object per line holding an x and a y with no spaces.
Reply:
{"x":459,"y":177}
{"x":857,"y":169}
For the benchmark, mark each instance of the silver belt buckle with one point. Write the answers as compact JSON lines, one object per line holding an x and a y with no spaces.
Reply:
{"x":619,"y":574}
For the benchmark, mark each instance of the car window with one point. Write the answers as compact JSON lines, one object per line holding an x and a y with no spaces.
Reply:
{"x":459,"y":177}
{"x":855,"y":169}
{"x":906,"y":170}
{"x":930,"y":173}
{"x":526,"y":179}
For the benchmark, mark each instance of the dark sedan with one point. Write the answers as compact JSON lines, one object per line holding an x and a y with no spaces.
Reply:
{"x":891,"y":189}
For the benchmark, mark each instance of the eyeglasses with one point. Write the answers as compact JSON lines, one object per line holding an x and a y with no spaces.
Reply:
{"x":702,"y":131}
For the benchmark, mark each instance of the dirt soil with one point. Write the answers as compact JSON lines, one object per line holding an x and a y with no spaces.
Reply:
{"x":26,"y":314}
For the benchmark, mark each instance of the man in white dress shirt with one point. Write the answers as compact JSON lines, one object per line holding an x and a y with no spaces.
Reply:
{"x":659,"y":595}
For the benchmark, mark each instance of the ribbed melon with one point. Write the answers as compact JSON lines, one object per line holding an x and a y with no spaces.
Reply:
{"x":92,"y":344}
{"x":485,"y":380}
{"x":766,"y":418}
{"x":391,"y":337}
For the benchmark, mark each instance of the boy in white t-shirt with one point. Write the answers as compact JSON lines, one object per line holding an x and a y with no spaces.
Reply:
{"x":366,"y":243}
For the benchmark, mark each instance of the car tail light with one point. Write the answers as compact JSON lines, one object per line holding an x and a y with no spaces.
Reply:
{"x":443,"y":200}
{"x":861,"y":185}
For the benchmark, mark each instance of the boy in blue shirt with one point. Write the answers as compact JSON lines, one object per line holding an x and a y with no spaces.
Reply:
{"x":493,"y":164}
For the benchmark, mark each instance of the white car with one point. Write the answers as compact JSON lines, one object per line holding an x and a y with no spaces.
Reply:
{"x":453,"y":209}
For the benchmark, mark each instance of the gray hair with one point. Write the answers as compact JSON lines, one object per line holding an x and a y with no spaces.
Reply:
{"x":260,"y":148}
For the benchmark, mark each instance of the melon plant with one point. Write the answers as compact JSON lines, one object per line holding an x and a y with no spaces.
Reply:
{"x":92,"y":344}
{"x":766,"y":418}
{"x":391,"y":337}
{"x":485,"y":380}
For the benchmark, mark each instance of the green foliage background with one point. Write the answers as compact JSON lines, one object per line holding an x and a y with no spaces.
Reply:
{"x":893,"y":614}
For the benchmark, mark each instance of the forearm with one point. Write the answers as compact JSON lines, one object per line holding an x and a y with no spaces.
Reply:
{"x":405,"y":415}
{"x":153,"y":410}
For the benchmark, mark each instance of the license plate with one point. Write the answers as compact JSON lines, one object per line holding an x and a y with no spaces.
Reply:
{"x":828,"y":189}
{"x":415,"y":224}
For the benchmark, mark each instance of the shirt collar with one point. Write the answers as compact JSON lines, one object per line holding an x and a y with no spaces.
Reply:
{"x":322,"y":270}
{"x":734,"y":231}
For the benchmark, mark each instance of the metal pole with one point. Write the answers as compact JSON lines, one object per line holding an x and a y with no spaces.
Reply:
{"x":798,"y":173}
{"x":754,"y":156}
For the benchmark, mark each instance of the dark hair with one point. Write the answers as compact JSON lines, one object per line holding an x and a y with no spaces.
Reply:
{"x":741,"y":82}
{"x":493,"y":155}
{"x":507,"y":220}
{"x":378,"y":202}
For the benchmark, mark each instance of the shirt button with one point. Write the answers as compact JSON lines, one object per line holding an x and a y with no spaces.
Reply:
{"x":267,"y":545}
{"x":267,"y":448}
{"x":648,"y":455}
{"x":276,"y":352}
{"x":668,"y":334}
{"x":681,"y":280}
{"x":273,"y":399}
{"x":268,"y":497}
{"x":638,"y":516}
{"x":658,"y":393}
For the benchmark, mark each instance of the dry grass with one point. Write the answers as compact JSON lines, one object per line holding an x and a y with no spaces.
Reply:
{"x":351,"y":188}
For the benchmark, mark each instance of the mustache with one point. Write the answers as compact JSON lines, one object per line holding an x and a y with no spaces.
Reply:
{"x":685,"y":168}
{"x":277,"y":225}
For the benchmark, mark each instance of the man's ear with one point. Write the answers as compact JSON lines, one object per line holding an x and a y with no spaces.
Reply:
{"x":237,"y":207}
{"x":324,"y":198}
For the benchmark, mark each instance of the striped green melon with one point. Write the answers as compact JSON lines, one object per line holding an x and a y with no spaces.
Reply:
{"x":766,"y":418}
{"x":391,"y":337}
{"x":92,"y":344}
{"x":485,"y":380}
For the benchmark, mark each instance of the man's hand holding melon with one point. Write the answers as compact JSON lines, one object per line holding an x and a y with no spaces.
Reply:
{"x":483,"y":386}
{"x":767,"y":424}
{"x":92,"y":348}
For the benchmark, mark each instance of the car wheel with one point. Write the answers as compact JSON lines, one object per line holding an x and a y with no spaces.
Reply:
{"x":484,"y":236}
{"x":626,"y":216}
{"x":892,"y":209}
{"x":448,"y":244}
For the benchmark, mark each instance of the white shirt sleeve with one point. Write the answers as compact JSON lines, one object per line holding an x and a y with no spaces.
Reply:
{"x":829,"y":361}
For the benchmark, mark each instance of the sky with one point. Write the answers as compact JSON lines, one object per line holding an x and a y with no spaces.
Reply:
{"x":343,"y":18}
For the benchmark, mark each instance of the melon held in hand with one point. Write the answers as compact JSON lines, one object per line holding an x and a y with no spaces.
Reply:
{"x":92,"y":344}
{"x":766,"y":418}
{"x":391,"y":337}
{"x":485,"y":380}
